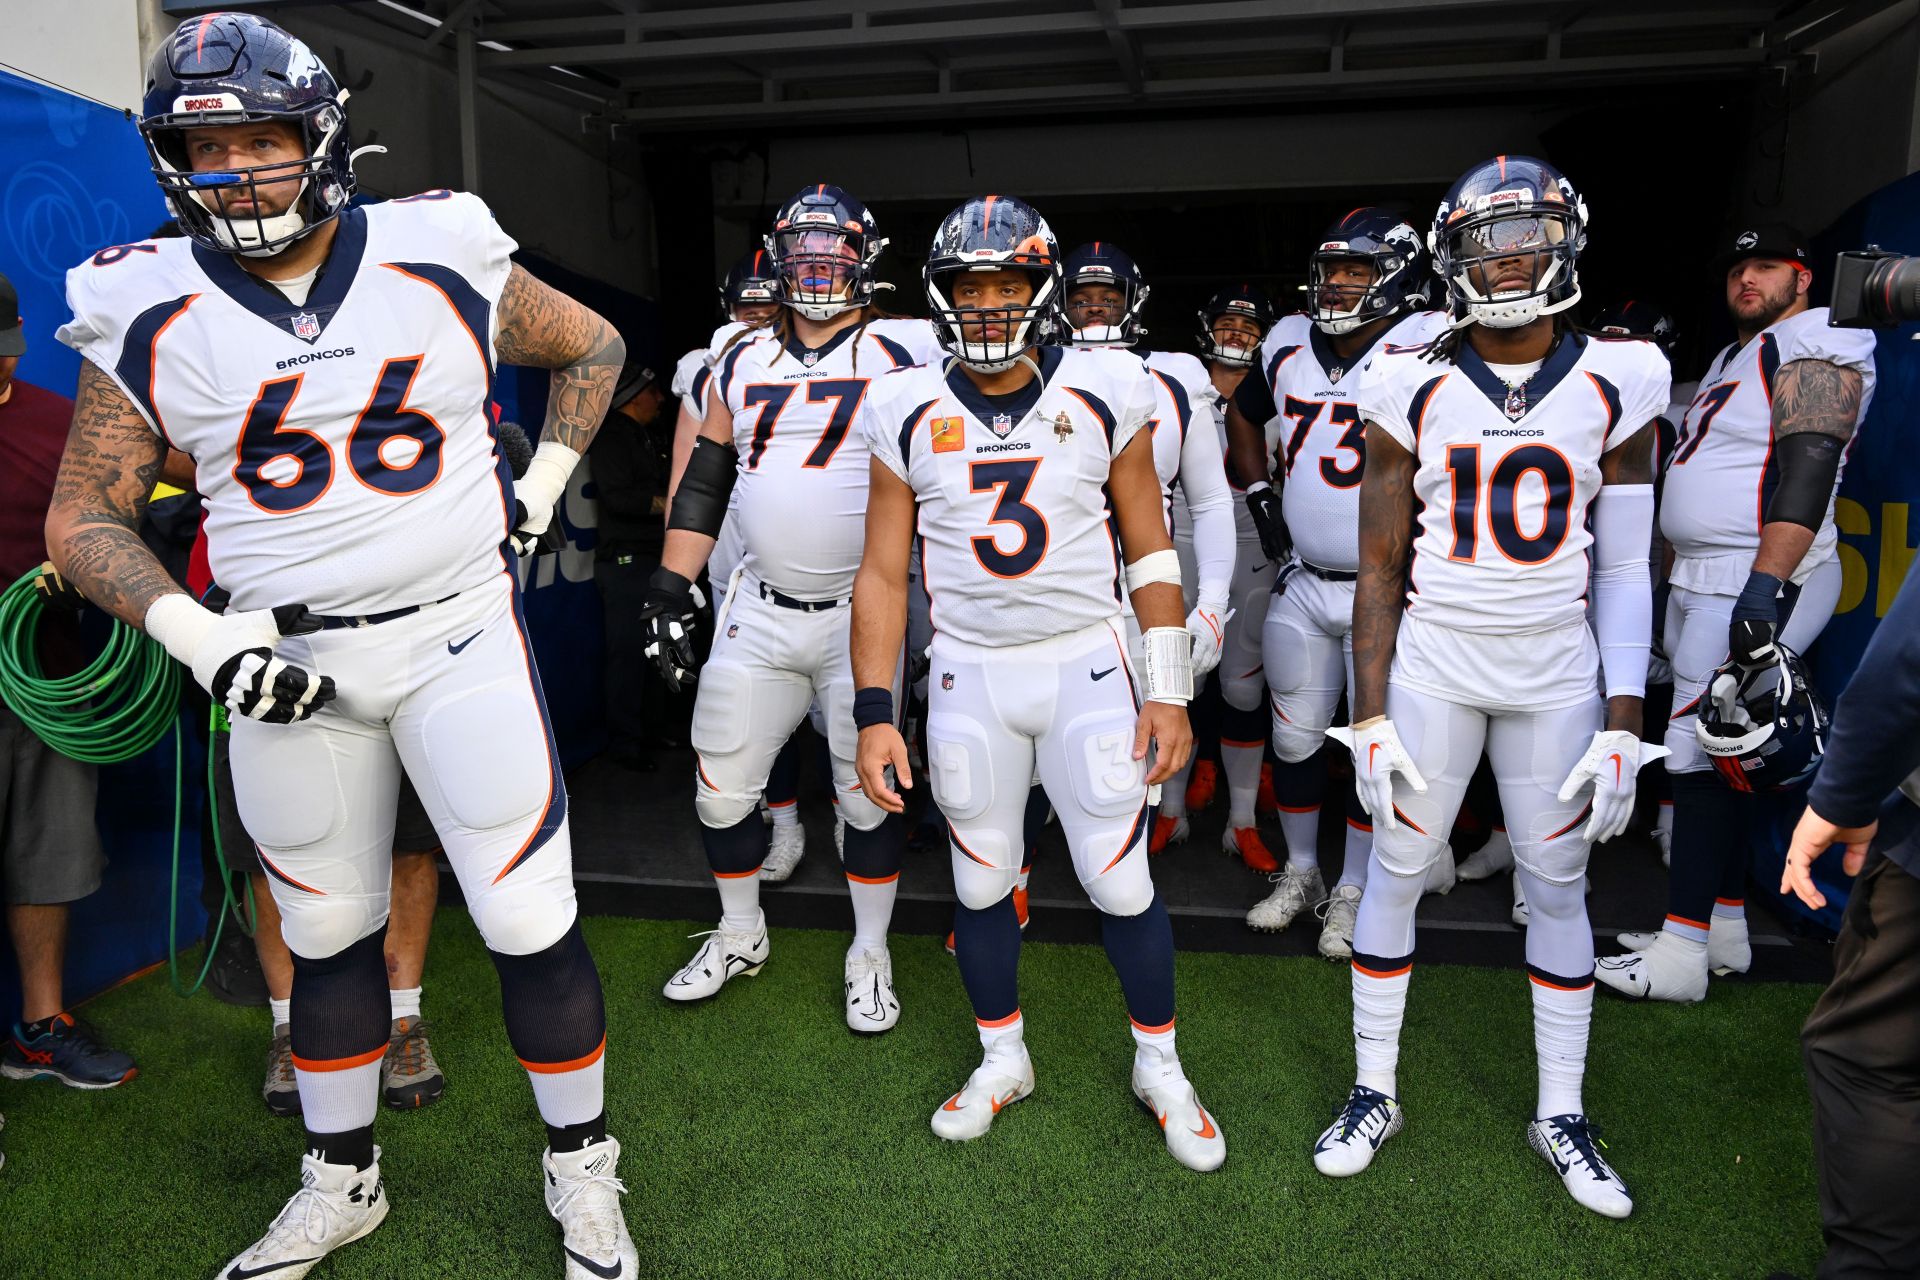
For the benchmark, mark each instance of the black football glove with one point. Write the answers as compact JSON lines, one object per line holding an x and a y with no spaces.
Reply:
{"x":1263,"y":501}
{"x":527,"y":540}
{"x":1754,"y":626}
{"x":668,"y":617}
{"x":251,"y":681}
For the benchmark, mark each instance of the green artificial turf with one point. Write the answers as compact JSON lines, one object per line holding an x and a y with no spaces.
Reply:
{"x":763,"y":1139}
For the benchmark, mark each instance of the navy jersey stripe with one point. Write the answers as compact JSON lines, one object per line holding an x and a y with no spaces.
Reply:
{"x":1181,"y":405}
{"x":136,"y":365}
{"x":906,"y":434}
{"x":1100,"y":410}
{"x":900,"y":356}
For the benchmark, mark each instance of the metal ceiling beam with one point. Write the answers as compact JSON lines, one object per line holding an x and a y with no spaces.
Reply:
{"x":1124,"y":52}
{"x":723,"y":16}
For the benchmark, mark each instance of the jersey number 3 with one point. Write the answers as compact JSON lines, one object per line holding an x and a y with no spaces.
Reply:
{"x":285,"y":469}
{"x":1012,"y":477}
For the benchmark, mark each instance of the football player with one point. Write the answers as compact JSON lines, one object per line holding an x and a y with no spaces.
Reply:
{"x":327,"y":368}
{"x":1748,"y":510}
{"x":778,"y":430}
{"x":1026,"y":474}
{"x":1296,"y":424}
{"x":1232,"y":323}
{"x":1104,"y":294}
{"x":1509,"y":464}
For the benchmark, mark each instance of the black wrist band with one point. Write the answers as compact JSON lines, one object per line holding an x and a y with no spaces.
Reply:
{"x":872,"y":706}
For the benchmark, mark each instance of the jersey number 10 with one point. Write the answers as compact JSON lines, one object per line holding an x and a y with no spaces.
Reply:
{"x":265,"y":438}
{"x":1503,"y":516}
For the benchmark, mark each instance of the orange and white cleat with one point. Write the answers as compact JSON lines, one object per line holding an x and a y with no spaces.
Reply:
{"x":1168,"y":830}
{"x":1246,"y":842}
{"x":1193,"y":1136}
{"x":1202,"y":786}
{"x":997,"y":1083}
{"x":1264,"y":805}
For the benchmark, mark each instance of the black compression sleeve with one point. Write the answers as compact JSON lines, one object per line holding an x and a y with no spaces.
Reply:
{"x":700,"y":503}
{"x":1809,"y":463}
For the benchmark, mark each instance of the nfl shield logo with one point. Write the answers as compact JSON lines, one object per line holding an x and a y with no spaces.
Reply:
{"x":1002,"y":425}
{"x":946,"y":679}
{"x":306,"y":325}
{"x":733,"y":629}
{"x":810,"y":358}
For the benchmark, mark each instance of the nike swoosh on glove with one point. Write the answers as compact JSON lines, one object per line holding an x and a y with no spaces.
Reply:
{"x":1377,"y":756}
{"x":1208,"y":626}
{"x":1612,"y":766}
{"x":1263,"y":504}
{"x":232,"y":657}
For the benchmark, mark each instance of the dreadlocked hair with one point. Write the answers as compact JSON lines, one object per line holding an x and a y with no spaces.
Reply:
{"x":1446,"y":348}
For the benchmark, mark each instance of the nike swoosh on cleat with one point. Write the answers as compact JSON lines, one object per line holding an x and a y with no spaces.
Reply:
{"x":948,"y":1104}
{"x":611,"y":1271}
{"x":1206,"y":1129}
{"x":1102,"y":675}
{"x":1012,"y":1096}
{"x":456,"y":648}
{"x":240,"y":1273}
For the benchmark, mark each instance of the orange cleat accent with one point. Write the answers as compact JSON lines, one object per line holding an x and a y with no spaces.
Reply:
{"x":1163,"y":828}
{"x":1202,"y":785}
{"x":1263,"y":803}
{"x":1253,"y":851}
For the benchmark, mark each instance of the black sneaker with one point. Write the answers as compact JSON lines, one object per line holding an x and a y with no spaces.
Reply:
{"x":282,"y":1089}
{"x":409,"y":1076}
{"x":66,"y":1051}
{"x":235,"y":977}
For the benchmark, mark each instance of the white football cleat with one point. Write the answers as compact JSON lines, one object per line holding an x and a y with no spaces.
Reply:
{"x":335,"y":1205}
{"x":998,"y":1082}
{"x":724,"y":955}
{"x":1668,"y":969}
{"x":1729,"y":947}
{"x":1296,"y":890}
{"x":1339,"y":911}
{"x":583,"y":1195}
{"x":1360,"y":1124}
{"x":1441,"y":874}
{"x":1569,"y":1143}
{"x":872,"y":1006}
{"x":1163,"y":1089}
{"x":784,"y":851}
{"x":1489,"y":860}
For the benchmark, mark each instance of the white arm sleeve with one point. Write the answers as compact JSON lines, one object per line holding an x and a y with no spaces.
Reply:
{"x":1622,"y":587}
{"x":1203,"y":482}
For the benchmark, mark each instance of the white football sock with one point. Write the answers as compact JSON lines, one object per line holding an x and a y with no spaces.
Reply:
{"x":1300,"y":828}
{"x":1561,"y":1018}
{"x":1241,"y":763}
{"x":282,"y":1011}
{"x":1005,"y":1038}
{"x":1353,"y":868}
{"x":1173,"y":792}
{"x":786,"y":814}
{"x":572,"y":1092}
{"x":335,"y":1101}
{"x":739,"y":901}
{"x":405,"y":1002}
{"x":872,"y":908}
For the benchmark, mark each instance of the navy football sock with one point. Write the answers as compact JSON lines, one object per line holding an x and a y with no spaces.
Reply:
{"x":1140,"y":948}
{"x":987,"y":945}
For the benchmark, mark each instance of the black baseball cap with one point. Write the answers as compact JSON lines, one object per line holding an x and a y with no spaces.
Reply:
{"x":13,"y":340}
{"x":635,"y":377}
{"x":1762,"y":240}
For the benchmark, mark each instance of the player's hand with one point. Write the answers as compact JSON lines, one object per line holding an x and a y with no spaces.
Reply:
{"x":1208,"y":625}
{"x":1612,"y":765}
{"x":1377,"y":756}
{"x":667,"y":617}
{"x":1263,"y":503}
{"x":232,"y":658}
{"x":1813,"y":836}
{"x":1754,"y":625}
{"x":534,"y":532}
{"x":1165,"y":725}
{"x":56,"y":592}
{"x":881,"y":747}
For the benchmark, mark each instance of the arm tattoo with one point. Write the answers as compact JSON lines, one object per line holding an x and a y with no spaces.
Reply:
{"x":107,"y":473}
{"x":1815,"y":395}
{"x":1386,"y":538}
{"x":545,"y":329}
{"x":1630,"y":461}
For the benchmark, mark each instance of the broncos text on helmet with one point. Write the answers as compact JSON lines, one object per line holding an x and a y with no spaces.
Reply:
{"x":750,"y":282}
{"x":1103,"y":263}
{"x":825,"y":246}
{"x":1506,"y":241}
{"x":993,"y":233}
{"x":1237,"y":350}
{"x":234,"y":69}
{"x":1762,"y":727}
{"x":1402,"y":275}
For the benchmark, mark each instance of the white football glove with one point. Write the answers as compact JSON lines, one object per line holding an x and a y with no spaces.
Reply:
{"x":1612,"y":765}
{"x":1377,"y":756}
{"x":536,"y":493}
{"x":231,"y":657}
{"x":1208,"y":626}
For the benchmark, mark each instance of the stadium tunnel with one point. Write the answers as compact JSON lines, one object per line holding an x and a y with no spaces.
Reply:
{"x":636,"y":147}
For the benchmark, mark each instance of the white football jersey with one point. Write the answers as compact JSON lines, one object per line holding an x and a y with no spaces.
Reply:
{"x":1722,"y":474}
{"x":802,"y":487}
{"x":1315,"y":437}
{"x":344,"y":445}
{"x":1015,"y":534}
{"x":1502,"y":544}
{"x":690,"y":378}
{"x":1179,"y":382}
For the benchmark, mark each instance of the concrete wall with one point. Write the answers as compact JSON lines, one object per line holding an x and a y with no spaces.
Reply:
{"x":107,"y":65}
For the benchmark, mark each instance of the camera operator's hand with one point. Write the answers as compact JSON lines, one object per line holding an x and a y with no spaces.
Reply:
{"x":1813,"y":836}
{"x":56,"y":592}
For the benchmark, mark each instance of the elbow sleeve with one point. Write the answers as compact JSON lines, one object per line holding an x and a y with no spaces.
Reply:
{"x":1809,"y":465}
{"x":700,"y":503}
{"x":1623,"y":586}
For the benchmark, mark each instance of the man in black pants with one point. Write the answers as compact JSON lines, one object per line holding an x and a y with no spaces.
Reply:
{"x":1861,"y":1044}
{"x":630,"y":481}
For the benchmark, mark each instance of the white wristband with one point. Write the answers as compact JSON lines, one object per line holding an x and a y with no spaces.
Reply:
{"x":1155,"y":566}
{"x":547,"y":475}
{"x":1169,"y":664}
{"x":178,"y":624}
